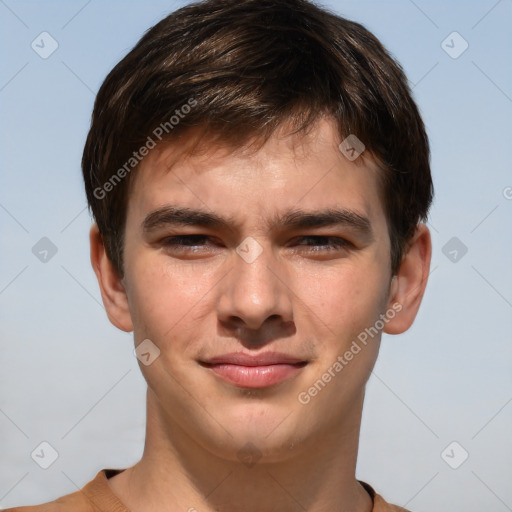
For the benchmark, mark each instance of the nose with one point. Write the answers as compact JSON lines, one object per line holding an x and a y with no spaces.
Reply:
{"x":255,"y":300}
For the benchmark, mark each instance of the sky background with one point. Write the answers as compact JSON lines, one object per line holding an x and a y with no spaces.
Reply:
{"x":69,"y":378}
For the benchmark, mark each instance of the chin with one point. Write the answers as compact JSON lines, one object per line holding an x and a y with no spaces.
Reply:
{"x":257,"y":431}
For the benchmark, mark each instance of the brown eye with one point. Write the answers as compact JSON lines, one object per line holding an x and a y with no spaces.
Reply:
{"x":325,"y":243}
{"x":185,"y":240}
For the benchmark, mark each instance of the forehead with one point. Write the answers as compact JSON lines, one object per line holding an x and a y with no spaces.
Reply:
{"x":288,"y":171}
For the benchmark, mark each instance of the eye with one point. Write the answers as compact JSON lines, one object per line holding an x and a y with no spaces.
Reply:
{"x":185,"y":242}
{"x":325,"y":243}
{"x":199,"y":243}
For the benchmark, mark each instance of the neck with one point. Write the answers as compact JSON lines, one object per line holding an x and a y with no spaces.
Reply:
{"x":177,"y":473}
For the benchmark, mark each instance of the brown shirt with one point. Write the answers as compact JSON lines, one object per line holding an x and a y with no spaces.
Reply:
{"x":96,"y":496}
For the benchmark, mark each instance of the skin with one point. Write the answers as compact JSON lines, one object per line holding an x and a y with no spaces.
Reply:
{"x":298,"y":297}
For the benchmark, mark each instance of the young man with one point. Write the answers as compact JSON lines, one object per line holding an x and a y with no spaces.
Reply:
{"x":258,"y":173}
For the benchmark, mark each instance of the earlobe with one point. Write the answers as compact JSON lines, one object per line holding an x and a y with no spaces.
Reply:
{"x":112,"y":289}
{"x":408,"y":286}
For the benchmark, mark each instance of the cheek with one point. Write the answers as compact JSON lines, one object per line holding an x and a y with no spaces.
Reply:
{"x":166,"y":298}
{"x":343,"y":301}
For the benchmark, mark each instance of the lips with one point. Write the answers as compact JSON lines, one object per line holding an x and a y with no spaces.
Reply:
{"x":254,"y":371}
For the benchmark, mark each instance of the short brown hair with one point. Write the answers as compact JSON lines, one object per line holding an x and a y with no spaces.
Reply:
{"x":239,"y":69}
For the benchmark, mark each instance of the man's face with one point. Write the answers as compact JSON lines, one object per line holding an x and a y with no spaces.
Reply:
{"x":258,"y":285}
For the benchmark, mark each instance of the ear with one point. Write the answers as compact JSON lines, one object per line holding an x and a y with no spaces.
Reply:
{"x":408,"y":286}
{"x":111,"y":284}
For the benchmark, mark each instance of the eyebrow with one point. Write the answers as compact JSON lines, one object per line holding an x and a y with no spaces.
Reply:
{"x":170,"y":215}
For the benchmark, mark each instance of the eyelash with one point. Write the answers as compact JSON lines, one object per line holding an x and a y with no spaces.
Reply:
{"x":336,"y":242}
